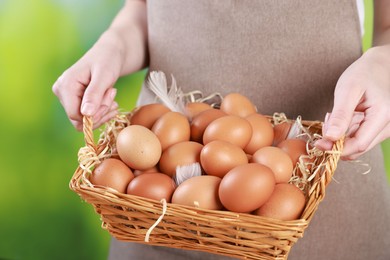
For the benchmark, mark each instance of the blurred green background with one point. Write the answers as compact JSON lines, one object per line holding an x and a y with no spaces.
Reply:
{"x":40,"y":218}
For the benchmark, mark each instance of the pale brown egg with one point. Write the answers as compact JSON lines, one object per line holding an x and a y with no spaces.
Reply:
{"x":179,"y":154}
{"x":277,"y":160}
{"x":294,"y":148}
{"x":201,"y":121}
{"x":281,"y":132}
{"x":147,"y":115}
{"x":218,"y":157}
{"x":194,"y":108}
{"x":138,"y":147}
{"x":172,"y":128}
{"x":286,"y":203}
{"x":199,"y":192}
{"x":112,"y":173}
{"x":233,"y":129}
{"x":262,"y":134}
{"x":246,"y":187}
{"x":155,"y":186}
{"x":238,"y":105}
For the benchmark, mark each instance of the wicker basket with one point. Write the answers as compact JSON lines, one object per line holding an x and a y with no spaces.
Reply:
{"x":136,"y":219}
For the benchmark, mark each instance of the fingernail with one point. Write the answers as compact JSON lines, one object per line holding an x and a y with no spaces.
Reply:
{"x":323,"y":144}
{"x":326,"y":117}
{"x":113,"y":93}
{"x":88,"y":109}
{"x":98,"y":115}
{"x":325,"y":126}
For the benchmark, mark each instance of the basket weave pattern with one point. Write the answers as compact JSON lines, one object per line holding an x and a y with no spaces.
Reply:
{"x":245,"y":236}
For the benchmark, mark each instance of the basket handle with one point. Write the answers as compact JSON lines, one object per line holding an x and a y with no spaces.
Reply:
{"x":92,"y":153}
{"x":88,"y":133}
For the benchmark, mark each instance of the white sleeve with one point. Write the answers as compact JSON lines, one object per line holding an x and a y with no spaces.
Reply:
{"x":360,"y":7}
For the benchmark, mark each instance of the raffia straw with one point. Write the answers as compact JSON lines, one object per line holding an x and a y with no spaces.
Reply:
{"x":192,"y":96}
{"x":164,"y":211}
{"x":211,"y":97}
{"x":309,"y":166}
{"x":361,"y":163}
{"x":113,"y":127}
{"x":197,"y":96}
{"x":279,"y":118}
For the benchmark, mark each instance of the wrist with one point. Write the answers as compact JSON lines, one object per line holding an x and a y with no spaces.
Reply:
{"x":379,"y":57}
{"x":380,"y":53}
{"x":112,"y":42}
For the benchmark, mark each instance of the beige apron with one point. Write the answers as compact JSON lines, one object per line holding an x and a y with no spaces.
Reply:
{"x":286,"y":56}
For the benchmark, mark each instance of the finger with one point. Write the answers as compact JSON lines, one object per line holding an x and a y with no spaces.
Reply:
{"x":356,"y":121}
{"x":108,"y":116}
{"x":325,"y":144}
{"x":94,"y":94}
{"x":105,"y":106}
{"x":352,"y":129}
{"x":325,"y":124}
{"x":77,"y":124}
{"x":352,"y":150}
{"x":69,"y":93}
{"x":103,"y":119}
{"x":346,"y":100}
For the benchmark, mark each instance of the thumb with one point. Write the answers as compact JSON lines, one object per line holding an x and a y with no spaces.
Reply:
{"x":345,"y":102}
{"x":94,"y":93}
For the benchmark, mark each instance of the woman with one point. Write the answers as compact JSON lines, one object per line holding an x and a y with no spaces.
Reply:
{"x":288,"y":56}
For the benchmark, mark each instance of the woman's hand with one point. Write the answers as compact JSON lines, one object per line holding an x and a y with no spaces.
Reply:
{"x":86,"y":88}
{"x":361,"y":108}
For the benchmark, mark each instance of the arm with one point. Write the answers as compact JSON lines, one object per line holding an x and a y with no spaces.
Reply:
{"x":362,"y":96}
{"x":381,"y":23}
{"x":86,"y":88}
{"x":129,"y":28}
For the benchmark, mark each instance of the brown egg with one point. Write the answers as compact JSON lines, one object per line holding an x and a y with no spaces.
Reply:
{"x":262,"y":134}
{"x":201,"y":121}
{"x":277,"y":160}
{"x":112,"y":173}
{"x":233,"y":129}
{"x":139,"y":172}
{"x":147,"y":115}
{"x":246,"y":187}
{"x":155,"y":186}
{"x":281,"y":132}
{"x":172,"y":128}
{"x":294,"y":148}
{"x":138,"y":147}
{"x":194,"y":108}
{"x":238,"y":105}
{"x":200,"y":192}
{"x":286,"y":203}
{"x":218,"y":157}
{"x":179,"y":154}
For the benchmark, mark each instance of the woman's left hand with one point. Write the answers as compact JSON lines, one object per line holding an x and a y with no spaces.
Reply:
{"x":361,"y":110}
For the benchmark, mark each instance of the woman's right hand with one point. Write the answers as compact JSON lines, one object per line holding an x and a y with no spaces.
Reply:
{"x":87,"y":87}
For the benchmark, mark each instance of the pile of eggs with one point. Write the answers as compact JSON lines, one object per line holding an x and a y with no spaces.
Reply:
{"x":244,"y":163}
